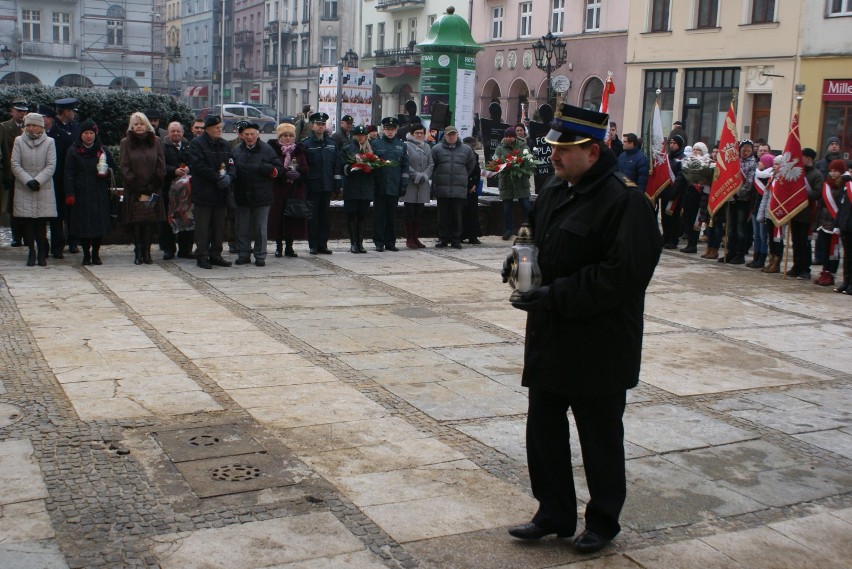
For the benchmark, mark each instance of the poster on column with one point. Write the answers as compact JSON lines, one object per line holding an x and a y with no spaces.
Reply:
{"x":449,"y":78}
{"x":356,"y":90}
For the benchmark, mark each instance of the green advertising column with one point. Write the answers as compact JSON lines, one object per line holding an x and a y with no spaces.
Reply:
{"x":448,"y":71}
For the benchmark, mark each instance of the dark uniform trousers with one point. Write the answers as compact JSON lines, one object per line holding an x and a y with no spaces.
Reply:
{"x":601,"y":434}
{"x":384,"y":219}
{"x":209,"y":230}
{"x":450,"y":219}
{"x":319,"y":225}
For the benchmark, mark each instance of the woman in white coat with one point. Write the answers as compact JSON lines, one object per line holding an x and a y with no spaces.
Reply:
{"x":420,"y":166}
{"x":33,"y":164}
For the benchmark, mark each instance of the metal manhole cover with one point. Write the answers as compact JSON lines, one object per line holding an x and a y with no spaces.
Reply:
{"x":203,"y":440}
{"x":236,"y":473}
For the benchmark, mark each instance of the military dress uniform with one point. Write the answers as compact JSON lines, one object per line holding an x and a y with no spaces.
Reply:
{"x":598,"y":245}
{"x":391,"y":181}
{"x":324,"y":177}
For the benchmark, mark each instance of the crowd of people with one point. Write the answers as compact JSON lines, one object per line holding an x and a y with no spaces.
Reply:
{"x":820,"y":233}
{"x":181,"y":190}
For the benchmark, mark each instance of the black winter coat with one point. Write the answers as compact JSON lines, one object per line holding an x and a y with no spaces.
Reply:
{"x":844,"y":210}
{"x":323,"y":164}
{"x":391,"y":180}
{"x":174,"y":158}
{"x":357,"y":185}
{"x":205,"y":157}
{"x":257,"y":168}
{"x":89,"y":217}
{"x":598,"y":245}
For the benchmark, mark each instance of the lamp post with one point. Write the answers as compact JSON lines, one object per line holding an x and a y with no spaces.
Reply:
{"x":551,"y":53}
{"x":349,"y":59}
{"x":6,"y":55}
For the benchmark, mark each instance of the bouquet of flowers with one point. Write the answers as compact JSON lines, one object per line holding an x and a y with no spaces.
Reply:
{"x":698,"y":170}
{"x":367,"y":162}
{"x":516,"y":165}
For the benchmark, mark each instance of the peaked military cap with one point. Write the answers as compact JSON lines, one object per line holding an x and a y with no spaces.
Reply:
{"x":390,"y":121}
{"x":68,"y":103}
{"x":576,"y":126}
{"x":46,"y":111}
{"x":212,"y":120}
{"x":245,"y":125}
{"x":319,"y":117}
{"x":20,"y":106}
{"x":360,"y":129}
{"x":347,"y":118}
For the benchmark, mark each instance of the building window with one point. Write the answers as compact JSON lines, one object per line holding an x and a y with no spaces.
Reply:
{"x":380,"y":41}
{"x":431,"y":20}
{"x":295,"y":17}
{"x":526,"y":20}
{"x":368,"y":40}
{"x":497,"y":23}
{"x":306,"y":11}
{"x":707,"y":96}
{"x":593,"y":15}
{"x":664,"y":80}
{"x":840,"y":8}
{"x":329,"y":9}
{"x":31,"y":25}
{"x":294,"y":52}
{"x":557,"y":18}
{"x":397,"y":34}
{"x":305,"y":52}
{"x":206,"y":33}
{"x":412,"y":31}
{"x":660,"y":15}
{"x":592,"y":94}
{"x":708,"y":14}
{"x":115,"y":33}
{"x":62,"y":27}
{"x":762,"y":11}
{"x":329,"y":50}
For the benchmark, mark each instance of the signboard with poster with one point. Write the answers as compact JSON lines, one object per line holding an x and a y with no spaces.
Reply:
{"x":356,"y":90}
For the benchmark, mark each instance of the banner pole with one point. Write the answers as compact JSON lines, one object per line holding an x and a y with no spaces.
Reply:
{"x":727,"y":229}
{"x":787,"y":250}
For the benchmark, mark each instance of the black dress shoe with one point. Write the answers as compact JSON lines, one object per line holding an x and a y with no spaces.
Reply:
{"x":312,"y":251}
{"x":391,"y":248}
{"x":16,"y":243}
{"x":73,"y":249}
{"x":532,"y":531}
{"x":168,"y":256}
{"x":689,"y":249}
{"x":242,"y":261}
{"x":455,"y":245}
{"x":474,"y":241}
{"x":589,"y":542}
{"x":204,"y":264}
{"x":325,"y":251}
{"x":380,"y":248}
{"x":441,"y":244}
{"x":259,"y":263}
{"x":219,"y":262}
{"x":58,"y":255}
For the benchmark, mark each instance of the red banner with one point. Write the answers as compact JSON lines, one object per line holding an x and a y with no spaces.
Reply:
{"x":789,"y":195}
{"x":660,"y":174}
{"x":728,"y":178}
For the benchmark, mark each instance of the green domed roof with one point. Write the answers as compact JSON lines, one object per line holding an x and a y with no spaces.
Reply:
{"x":450,"y":33}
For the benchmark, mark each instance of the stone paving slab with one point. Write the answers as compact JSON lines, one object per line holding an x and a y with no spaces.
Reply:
{"x":32,"y":555}
{"x":666,"y":428}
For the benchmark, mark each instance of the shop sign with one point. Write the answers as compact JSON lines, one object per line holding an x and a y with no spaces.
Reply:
{"x":837,"y":90}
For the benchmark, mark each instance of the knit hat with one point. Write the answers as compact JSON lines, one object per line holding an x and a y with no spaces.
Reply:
{"x":767,"y":160}
{"x":809,"y":153}
{"x":700,"y":147}
{"x":285,"y":127}
{"x":832,"y":140}
{"x":34,"y":118}
{"x":510,"y":133}
{"x":678,"y":139}
{"x":838,"y":165}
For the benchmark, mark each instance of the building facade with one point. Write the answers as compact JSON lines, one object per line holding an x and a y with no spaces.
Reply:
{"x":595,"y":34}
{"x":115,"y":44}
{"x":826,"y":72}
{"x":699,"y":52}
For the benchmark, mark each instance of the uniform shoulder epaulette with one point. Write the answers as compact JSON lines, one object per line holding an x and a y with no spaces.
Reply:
{"x":625,"y":180}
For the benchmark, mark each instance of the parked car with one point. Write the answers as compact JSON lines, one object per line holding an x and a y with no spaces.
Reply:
{"x":270,"y":111}
{"x":236,"y":112}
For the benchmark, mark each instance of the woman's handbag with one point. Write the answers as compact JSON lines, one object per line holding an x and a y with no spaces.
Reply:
{"x":298,"y":208}
{"x":115,"y":197}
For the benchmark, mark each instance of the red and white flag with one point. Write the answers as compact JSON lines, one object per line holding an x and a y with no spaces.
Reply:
{"x":789,"y":194}
{"x":728,"y":178}
{"x":828,"y":198}
{"x":760,"y":185}
{"x":660,"y":174}
{"x":609,"y":88}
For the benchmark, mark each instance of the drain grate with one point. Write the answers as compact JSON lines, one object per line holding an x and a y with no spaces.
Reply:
{"x":212,"y":441}
{"x":236,"y":473}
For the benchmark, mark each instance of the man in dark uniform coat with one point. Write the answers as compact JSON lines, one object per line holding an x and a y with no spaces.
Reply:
{"x":64,"y":132}
{"x":321,"y":152}
{"x":9,"y":131}
{"x":598,"y":246}
{"x":391,"y":181}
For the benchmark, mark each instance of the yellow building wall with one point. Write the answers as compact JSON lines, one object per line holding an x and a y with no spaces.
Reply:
{"x":813,"y":72}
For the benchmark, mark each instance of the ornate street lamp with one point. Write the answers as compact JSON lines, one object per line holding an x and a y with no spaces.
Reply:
{"x":6,"y":54}
{"x":551,"y":53}
{"x":349,"y":59}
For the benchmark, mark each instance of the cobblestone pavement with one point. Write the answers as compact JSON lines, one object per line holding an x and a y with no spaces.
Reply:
{"x":365,"y":411}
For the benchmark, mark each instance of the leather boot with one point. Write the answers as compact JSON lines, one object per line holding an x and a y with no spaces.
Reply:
{"x":751,"y":264}
{"x":87,"y":256}
{"x":419,"y":243}
{"x":409,"y":235}
{"x":761,"y":262}
{"x":137,"y":244}
{"x":43,"y":248}
{"x":288,"y":250}
{"x":352,"y":228}
{"x":279,"y":248}
{"x":147,"y":236}
{"x":774,"y":265}
{"x":31,"y":258}
{"x":96,"y":253}
{"x":825,"y":278}
{"x":712,"y":253}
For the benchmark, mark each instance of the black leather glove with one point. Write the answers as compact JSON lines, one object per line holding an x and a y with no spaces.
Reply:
{"x":34,"y":185}
{"x":534,"y":299}
{"x":507,"y":268}
{"x":224,"y":182}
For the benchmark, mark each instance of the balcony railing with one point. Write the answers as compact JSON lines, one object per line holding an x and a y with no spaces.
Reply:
{"x":274,"y":28}
{"x":401,"y":56}
{"x":243,"y":72}
{"x":44,"y":49}
{"x":394,"y":5}
{"x":244,"y":37}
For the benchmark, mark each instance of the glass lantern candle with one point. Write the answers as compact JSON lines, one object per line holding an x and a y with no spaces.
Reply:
{"x":525,"y":274}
